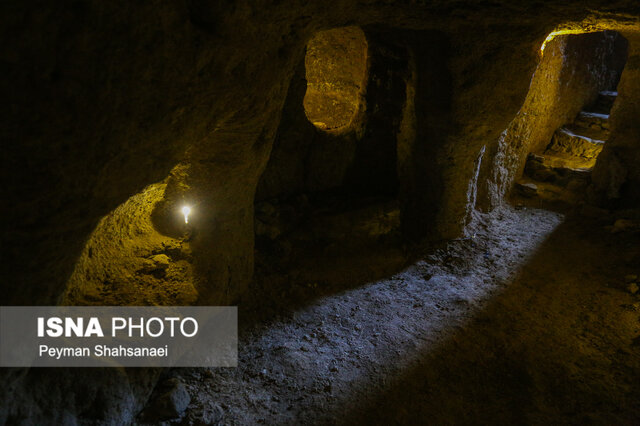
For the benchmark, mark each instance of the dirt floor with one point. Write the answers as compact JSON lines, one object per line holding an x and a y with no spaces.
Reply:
{"x":531,"y":321}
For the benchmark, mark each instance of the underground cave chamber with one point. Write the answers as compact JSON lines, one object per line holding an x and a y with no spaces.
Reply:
{"x":378,"y":198}
{"x":339,"y":178}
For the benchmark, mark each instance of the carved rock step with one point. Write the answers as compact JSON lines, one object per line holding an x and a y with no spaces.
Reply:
{"x":526,"y":189}
{"x":566,"y":141}
{"x":558,"y":168}
{"x":592,"y":125}
{"x":604,"y":102}
{"x":593,"y":119}
{"x":535,"y":193}
{"x":591,"y":133}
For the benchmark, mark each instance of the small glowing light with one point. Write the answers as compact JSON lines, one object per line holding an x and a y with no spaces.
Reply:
{"x":185,"y":211}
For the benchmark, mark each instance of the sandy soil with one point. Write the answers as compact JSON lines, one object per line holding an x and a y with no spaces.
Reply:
{"x":528,"y":322}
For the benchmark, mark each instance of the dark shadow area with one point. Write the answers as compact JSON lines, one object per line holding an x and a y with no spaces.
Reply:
{"x":337,"y":244}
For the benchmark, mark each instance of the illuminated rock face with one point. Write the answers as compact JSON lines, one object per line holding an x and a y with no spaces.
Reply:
{"x":553,"y":121}
{"x":359,"y":159}
{"x":336,"y":73}
{"x":561,"y":170}
{"x":128,"y":262}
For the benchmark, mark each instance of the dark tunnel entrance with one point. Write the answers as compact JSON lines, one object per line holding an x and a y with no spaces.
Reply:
{"x":330,"y":188}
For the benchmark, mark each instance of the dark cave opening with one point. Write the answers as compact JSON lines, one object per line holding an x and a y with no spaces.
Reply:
{"x":333,"y":189}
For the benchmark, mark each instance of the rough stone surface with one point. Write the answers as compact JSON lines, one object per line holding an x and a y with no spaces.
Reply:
{"x":126,"y":260}
{"x":572,"y":71}
{"x":527,"y":189}
{"x":591,"y":124}
{"x":616,"y":177}
{"x":554,"y":168}
{"x":214,"y":108}
{"x":625,"y":225}
{"x":564,"y":140}
{"x":171,"y":401}
{"x":336,"y":74}
{"x":103,"y":101}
